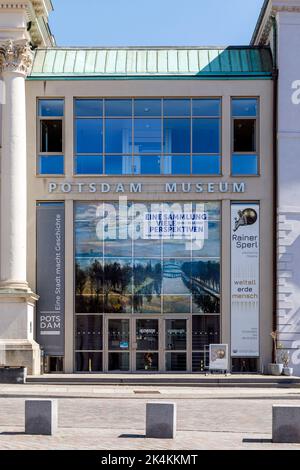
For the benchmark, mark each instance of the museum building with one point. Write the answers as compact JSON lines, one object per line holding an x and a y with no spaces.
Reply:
{"x":149,"y":200}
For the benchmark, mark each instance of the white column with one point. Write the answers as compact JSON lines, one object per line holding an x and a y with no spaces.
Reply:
{"x":17,"y":301}
{"x":16,"y":61}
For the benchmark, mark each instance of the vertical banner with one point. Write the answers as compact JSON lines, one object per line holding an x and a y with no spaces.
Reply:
{"x":51,"y":277}
{"x":245,"y":280}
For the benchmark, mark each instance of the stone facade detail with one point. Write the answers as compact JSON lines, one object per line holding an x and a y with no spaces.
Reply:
{"x":16,"y":56}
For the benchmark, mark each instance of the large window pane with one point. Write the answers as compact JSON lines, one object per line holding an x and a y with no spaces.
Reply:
{"x":118,"y":362}
{"x":147,"y":108}
{"x":244,"y":107}
{"x":205,"y":331}
{"x":206,"y":165}
{"x":118,"y":136}
{"x":147,"y":276}
{"x":88,"y":332}
{"x":244,"y":135}
{"x":147,"y":335}
{"x":244,"y":165}
{"x":89,"y":165}
{"x":88,"y":361}
{"x":147,"y":135}
{"x":175,"y":362}
{"x":51,"y":165}
{"x":51,"y":135}
{"x":206,"y":107}
{"x":147,"y":165}
{"x":118,"y":108}
{"x":177,"y":135}
{"x":51,"y":108}
{"x":177,"y":164}
{"x":89,"y":108}
{"x":176,"y":334}
{"x":118,"y":164}
{"x":89,"y":136}
{"x":147,"y":361}
{"x":118,"y":334}
{"x":206,"y":135}
{"x":177,"y":107}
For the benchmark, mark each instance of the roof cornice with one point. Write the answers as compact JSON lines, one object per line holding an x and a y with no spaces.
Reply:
{"x":269,"y":10}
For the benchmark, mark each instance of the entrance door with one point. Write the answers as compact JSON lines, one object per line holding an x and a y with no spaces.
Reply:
{"x":118,"y":344}
{"x":148,"y":345}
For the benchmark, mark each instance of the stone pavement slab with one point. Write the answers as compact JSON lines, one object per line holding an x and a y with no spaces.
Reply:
{"x":214,"y":422}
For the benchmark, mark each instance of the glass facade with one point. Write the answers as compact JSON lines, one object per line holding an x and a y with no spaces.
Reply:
{"x":135,"y":263}
{"x":147,"y":136}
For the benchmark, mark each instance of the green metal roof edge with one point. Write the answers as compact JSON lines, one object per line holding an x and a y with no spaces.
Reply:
{"x":220,"y":76}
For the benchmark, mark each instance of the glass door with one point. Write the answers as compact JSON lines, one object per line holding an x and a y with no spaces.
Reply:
{"x":176,"y":345}
{"x":147,"y":345}
{"x":118,"y":345}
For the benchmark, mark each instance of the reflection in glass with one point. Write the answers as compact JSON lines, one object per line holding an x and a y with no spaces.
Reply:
{"x":206,"y":135}
{"x":147,"y":335}
{"x":147,"y":107}
{"x":88,"y":332}
{"x":147,"y":136}
{"x":118,"y":164}
{"x":176,"y":334}
{"x":177,"y":107}
{"x":176,"y":276}
{"x":177,"y":135}
{"x":89,"y":136}
{"x":88,"y":361}
{"x":176,"y":303}
{"x":244,"y":107}
{"x":89,"y":165}
{"x":89,"y":286}
{"x":118,"y":334}
{"x":147,"y":361}
{"x":205,"y":330}
{"x":147,"y":165}
{"x":244,"y":165}
{"x":177,"y":164}
{"x":51,"y":108}
{"x":128,"y":273}
{"x":51,"y":165}
{"x":175,"y":362}
{"x":206,"y":164}
{"x":205,"y":283}
{"x":206,"y":107}
{"x":118,"y":107}
{"x":200,"y":361}
{"x":89,"y":108}
{"x":118,"y":362}
{"x":118,"y":136}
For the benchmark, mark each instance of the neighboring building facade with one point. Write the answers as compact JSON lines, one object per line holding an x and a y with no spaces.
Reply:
{"x":138,"y":202}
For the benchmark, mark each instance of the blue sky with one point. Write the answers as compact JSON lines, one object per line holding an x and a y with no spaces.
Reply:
{"x":153,"y":22}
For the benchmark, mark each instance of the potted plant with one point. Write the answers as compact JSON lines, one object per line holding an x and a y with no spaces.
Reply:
{"x":285,"y":358}
{"x":275,"y":368}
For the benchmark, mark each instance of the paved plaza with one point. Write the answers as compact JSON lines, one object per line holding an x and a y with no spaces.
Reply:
{"x":113,"y":417}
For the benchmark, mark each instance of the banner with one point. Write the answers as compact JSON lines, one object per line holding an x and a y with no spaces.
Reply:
{"x":51,"y":277}
{"x":245,"y":280}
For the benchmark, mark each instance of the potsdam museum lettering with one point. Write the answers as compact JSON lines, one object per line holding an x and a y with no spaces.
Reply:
{"x":149,"y":200}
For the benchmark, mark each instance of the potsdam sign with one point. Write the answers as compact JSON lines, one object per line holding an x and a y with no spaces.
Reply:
{"x":135,"y":187}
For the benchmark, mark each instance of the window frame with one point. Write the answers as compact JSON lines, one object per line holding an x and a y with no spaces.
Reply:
{"x":39,"y":153}
{"x":256,"y":118}
{"x":162,"y":153}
